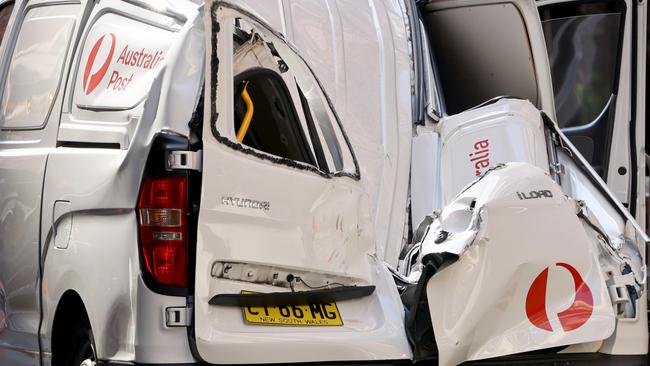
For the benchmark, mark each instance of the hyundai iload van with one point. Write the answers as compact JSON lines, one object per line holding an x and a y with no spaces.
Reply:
{"x":256,"y":182}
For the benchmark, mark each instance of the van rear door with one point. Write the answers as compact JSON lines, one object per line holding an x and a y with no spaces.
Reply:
{"x":285,"y":259}
{"x":596,"y":56}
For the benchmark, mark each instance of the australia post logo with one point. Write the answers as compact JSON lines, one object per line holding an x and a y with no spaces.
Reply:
{"x":575,"y":316}
{"x":123,"y":68}
{"x":91,"y":81}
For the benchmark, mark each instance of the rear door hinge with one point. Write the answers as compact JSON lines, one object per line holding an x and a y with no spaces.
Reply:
{"x":184,"y":160}
{"x":558,"y":168}
{"x":176,"y":317}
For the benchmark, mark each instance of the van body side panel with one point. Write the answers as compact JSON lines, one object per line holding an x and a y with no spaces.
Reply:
{"x":99,"y":259}
{"x":97,"y":171}
{"x":21,"y":182}
{"x":27,"y":136}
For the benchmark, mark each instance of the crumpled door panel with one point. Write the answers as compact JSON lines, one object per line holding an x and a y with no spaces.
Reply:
{"x":527,"y":275}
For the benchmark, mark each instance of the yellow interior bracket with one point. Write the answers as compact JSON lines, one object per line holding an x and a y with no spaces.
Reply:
{"x":248,"y":117}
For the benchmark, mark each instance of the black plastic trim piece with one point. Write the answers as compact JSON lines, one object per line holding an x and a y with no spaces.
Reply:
{"x":121,"y":363}
{"x":293,"y":298}
{"x":89,"y":145}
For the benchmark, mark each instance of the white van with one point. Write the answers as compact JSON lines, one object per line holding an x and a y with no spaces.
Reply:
{"x":249,"y":182}
{"x":506,"y":72}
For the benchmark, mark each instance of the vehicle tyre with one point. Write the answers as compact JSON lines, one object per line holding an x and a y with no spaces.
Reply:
{"x":82,"y":349}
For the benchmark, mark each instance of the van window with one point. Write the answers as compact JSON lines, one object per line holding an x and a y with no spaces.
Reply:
{"x":279,"y":106}
{"x":583,"y":52}
{"x":583,"y":42}
{"x":5,"y":14}
{"x":482,"y":52}
{"x":274,"y":126}
{"x":35,"y":68}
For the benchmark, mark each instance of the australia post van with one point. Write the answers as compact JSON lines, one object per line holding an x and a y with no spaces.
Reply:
{"x":272,"y":182}
{"x":104,"y":195}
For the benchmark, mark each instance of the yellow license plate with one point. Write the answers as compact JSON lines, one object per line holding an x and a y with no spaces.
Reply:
{"x":312,"y":315}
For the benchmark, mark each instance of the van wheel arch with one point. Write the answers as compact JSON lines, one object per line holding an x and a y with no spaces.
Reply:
{"x":70,"y":326}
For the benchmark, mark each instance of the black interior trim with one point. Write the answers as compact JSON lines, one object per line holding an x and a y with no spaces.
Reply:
{"x":89,"y":145}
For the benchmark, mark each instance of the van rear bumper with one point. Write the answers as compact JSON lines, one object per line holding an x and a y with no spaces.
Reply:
{"x":575,"y":359}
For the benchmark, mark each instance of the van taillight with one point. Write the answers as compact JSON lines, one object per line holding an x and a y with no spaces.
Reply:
{"x":163,"y":229}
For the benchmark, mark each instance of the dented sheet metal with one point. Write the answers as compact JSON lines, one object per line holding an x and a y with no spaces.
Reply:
{"x":373,"y":31}
{"x":527,"y":277}
{"x":317,"y":227}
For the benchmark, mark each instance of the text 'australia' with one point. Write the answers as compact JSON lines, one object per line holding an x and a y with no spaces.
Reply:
{"x":480,"y":158}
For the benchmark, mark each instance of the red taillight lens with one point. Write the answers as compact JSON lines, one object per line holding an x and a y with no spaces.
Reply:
{"x":163,"y":229}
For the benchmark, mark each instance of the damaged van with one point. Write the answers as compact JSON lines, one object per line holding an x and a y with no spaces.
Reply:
{"x":527,"y":184}
{"x":176,"y":187}
{"x":273,"y":182}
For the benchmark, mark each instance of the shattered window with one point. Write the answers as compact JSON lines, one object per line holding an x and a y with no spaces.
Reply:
{"x":279,"y":106}
{"x":265,"y":118}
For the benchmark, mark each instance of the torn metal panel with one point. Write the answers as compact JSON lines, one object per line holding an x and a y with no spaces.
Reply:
{"x":528,"y":276}
{"x":535,"y":255}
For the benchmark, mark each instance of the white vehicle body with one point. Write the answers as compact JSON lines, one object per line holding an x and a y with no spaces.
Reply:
{"x":491,"y":290}
{"x":123,"y":99}
{"x":103,"y":127}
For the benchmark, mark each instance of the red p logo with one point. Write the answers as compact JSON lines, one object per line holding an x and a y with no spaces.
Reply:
{"x":572,"y":318}
{"x":91,"y":82}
